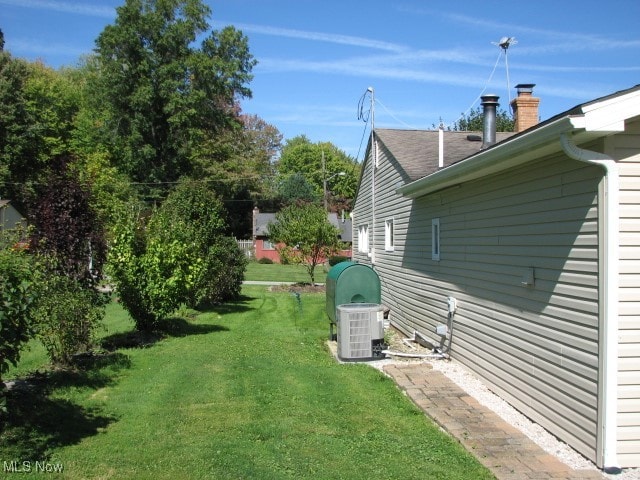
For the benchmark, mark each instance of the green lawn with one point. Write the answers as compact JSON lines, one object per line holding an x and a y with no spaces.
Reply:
{"x":248,"y":391}
{"x":283,"y":273}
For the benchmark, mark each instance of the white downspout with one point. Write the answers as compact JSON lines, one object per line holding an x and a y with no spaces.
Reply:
{"x":611,"y":284}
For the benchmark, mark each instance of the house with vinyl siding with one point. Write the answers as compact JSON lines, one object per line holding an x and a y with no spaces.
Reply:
{"x":536,"y":235}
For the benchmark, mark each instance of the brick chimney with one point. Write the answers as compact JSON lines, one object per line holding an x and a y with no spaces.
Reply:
{"x":525,"y":107}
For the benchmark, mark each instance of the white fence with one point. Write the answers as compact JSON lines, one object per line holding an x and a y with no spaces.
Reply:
{"x":246,"y":246}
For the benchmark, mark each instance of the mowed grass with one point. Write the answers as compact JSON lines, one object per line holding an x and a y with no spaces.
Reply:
{"x":246,"y":391}
{"x":283,"y":273}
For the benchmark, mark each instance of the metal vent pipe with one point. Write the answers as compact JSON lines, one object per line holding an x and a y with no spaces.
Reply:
{"x":489,"y":106}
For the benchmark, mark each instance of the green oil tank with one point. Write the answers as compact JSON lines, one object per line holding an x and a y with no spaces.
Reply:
{"x":351,"y":282}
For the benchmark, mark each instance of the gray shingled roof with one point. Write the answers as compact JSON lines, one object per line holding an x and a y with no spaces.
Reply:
{"x":263,"y":220}
{"x":416,"y":151}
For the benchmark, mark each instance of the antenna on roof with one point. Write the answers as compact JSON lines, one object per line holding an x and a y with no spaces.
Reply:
{"x":504,"y":44}
{"x":364,"y":115}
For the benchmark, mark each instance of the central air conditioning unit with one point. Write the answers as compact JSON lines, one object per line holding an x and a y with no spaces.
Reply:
{"x":360,"y":331}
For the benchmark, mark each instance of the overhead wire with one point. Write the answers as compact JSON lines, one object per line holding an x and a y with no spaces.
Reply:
{"x":484,"y":89}
{"x":363,"y":114}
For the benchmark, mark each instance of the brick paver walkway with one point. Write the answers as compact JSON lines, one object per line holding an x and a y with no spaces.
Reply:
{"x":504,"y":449}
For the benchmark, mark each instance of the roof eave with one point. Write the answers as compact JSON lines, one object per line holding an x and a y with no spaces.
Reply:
{"x":599,"y":118}
{"x":507,"y":154}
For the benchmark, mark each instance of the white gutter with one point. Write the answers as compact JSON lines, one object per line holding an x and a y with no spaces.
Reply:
{"x":610,"y":284}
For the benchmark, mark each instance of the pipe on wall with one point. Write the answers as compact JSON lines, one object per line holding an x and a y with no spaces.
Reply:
{"x":608,"y":390}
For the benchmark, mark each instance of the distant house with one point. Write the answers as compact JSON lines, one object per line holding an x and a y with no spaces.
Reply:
{"x":537,"y":237}
{"x":10,"y":217}
{"x":264,"y":248}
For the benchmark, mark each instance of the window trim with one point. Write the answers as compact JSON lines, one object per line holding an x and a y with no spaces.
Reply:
{"x":435,"y":239}
{"x":389,"y":235}
{"x":363,"y":238}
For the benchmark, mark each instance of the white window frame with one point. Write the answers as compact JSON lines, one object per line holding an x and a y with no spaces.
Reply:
{"x":435,"y":239}
{"x":363,"y":238}
{"x":388,"y":235}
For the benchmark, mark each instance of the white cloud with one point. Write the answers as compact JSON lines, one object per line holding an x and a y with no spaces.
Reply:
{"x":66,"y":7}
{"x":30,"y":47}
{"x":317,"y":36}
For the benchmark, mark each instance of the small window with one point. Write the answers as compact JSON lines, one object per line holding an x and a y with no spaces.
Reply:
{"x":435,"y":239}
{"x":388,"y":235}
{"x":363,"y":238}
{"x":267,"y":245}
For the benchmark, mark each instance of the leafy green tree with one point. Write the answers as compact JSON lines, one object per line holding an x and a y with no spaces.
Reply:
{"x":296,"y":188}
{"x":71,"y":244}
{"x":16,"y":134}
{"x":19,"y":275}
{"x":67,"y":316}
{"x":306,"y":233}
{"x":38,"y":106}
{"x":151,"y":275}
{"x":318,"y":162}
{"x":180,"y":255}
{"x":94,"y":166}
{"x":474,"y":121}
{"x":163,"y":96}
{"x":126,"y":266}
{"x":193,"y":216}
{"x":238,"y":164}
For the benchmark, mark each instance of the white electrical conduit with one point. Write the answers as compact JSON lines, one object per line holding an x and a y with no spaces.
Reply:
{"x":415,"y":355}
{"x":611,"y":229}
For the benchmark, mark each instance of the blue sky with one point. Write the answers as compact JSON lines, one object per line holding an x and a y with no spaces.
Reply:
{"x":426,"y":60}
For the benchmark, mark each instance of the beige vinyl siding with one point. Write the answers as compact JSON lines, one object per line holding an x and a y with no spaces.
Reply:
{"x":538,"y":345}
{"x":625,"y":151}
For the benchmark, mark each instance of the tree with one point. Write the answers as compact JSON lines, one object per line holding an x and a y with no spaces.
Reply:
{"x":163,"y":96}
{"x":180,"y":255}
{"x":318,"y":162}
{"x":38,"y":106}
{"x":19,"y":274}
{"x":67,"y":229}
{"x":474,"y":121}
{"x":194,"y":216}
{"x":306,"y":233}
{"x":238,"y":164}
{"x":296,"y":188}
{"x":71,"y":245}
{"x":15,"y":132}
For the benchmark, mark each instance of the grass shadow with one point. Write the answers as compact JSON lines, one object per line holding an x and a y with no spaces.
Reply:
{"x":171,"y":327}
{"x":36,"y":424}
{"x":179,"y":327}
{"x":131,"y":339}
{"x":239,"y":305}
